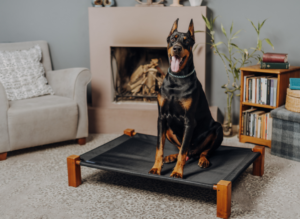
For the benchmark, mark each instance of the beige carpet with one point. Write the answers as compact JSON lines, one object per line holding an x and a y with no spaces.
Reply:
{"x":33,"y":184}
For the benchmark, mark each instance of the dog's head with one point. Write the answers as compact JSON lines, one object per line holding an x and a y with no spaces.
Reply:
{"x":180,"y":46}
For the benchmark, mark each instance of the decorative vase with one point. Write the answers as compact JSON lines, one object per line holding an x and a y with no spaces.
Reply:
{"x":109,"y":3}
{"x":176,"y":3}
{"x":227,"y":127}
{"x":195,"y":2}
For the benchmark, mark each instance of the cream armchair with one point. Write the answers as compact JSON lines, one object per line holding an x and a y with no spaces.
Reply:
{"x":45,"y":119}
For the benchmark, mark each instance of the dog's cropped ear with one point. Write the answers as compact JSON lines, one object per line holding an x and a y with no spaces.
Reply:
{"x":191,"y":29}
{"x":174,"y":28}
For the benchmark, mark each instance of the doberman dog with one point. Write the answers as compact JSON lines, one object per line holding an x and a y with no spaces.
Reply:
{"x":184,"y":116}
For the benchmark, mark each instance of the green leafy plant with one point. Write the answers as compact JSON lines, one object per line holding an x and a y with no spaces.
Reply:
{"x":235,"y":57}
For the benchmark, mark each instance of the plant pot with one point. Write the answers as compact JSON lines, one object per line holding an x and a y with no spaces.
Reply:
{"x":195,"y":2}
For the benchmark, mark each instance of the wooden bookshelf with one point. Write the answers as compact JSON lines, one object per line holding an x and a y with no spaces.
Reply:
{"x":283,"y":76}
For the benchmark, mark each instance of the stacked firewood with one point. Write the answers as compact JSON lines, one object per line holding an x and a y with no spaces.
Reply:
{"x":146,"y":79}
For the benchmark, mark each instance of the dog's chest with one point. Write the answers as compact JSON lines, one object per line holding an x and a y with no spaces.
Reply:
{"x":173,"y":109}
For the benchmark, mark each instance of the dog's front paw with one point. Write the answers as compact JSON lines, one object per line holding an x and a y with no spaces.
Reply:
{"x":176,"y":175}
{"x":155,"y":171}
{"x":203,"y":162}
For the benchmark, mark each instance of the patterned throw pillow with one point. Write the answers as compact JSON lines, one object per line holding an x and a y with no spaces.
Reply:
{"x":22,"y":74}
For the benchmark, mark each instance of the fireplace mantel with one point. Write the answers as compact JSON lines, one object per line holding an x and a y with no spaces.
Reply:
{"x":133,"y":27}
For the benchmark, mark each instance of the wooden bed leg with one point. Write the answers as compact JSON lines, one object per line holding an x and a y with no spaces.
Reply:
{"x":129,"y":132}
{"x":223,"y":198}
{"x":259,"y":163}
{"x":74,"y":173}
{"x":3,"y":156}
{"x":81,"y":141}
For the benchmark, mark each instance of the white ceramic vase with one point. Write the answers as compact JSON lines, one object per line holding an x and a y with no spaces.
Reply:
{"x":195,"y":2}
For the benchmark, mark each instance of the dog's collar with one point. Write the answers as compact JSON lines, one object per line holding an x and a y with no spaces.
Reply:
{"x":181,"y":76}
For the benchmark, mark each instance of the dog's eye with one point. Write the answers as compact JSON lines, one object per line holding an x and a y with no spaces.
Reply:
{"x":187,"y":42}
{"x":172,"y":39}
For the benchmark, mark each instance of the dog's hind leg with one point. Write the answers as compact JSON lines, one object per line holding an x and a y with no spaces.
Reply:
{"x":170,"y":158}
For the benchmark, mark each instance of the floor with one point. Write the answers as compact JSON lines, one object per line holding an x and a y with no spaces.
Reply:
{"x":34,"y":185}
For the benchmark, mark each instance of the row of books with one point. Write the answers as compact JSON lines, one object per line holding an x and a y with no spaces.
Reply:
{"x":275,"y":61}
{"x":260,"y":90}
{"x":257,"y":123}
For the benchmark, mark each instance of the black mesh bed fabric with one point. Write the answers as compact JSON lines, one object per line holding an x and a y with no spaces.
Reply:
{"x":135,"y":155}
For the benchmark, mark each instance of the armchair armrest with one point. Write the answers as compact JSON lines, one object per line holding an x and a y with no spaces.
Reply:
{"x":72,"y":83}
{"x":4,"y":105}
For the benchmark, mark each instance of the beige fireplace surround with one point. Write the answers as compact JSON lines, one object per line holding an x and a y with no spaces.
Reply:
{"x":133,"y":27}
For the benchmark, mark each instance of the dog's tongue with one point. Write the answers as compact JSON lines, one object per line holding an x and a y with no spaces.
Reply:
{"x":175,"y":64}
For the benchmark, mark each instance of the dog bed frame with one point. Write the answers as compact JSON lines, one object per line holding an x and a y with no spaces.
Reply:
{"x":134,"y":153}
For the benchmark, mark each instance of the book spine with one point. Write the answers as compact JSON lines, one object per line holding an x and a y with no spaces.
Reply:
{"x":257,"y":90}
{"x":244,"y":96}
{"x":268,"y":65}
{"x":259,"y":126}
{"x":263,"y":126}
{"x":272,"y":93}
{"x":278,"y":58}
{"x":256,"y":125}
{"x":250,"y":90}
{"x":263,"y":91}
{"x":268,"y":91}
{"x":248,"y":124}
{"x":259,"y":101}
{"x":275,"y":92}
{"x":253,"y":89}
{"x":244,"y":123}
{"x":247,"y":90}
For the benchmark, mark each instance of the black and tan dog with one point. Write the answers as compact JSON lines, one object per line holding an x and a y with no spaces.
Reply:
{"x":184,"y":116}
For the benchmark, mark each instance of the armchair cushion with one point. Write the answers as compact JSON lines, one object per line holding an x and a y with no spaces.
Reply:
{"x":22,"y":74}
{"x":41,"y":120}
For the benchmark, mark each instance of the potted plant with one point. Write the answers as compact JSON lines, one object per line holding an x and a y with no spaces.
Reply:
{"x":233,"y":59}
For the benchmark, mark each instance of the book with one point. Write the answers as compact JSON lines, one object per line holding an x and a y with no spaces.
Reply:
{"x":250,"y":90}
{"x":256,"y":115}
{"x":275,"y":57}
{"x":247,"y":120}
{"x":264,"y":91}
{"x":263,"y":119}
{"x":268,"y":91}
{"x":269,"y":65}
{"x":295,"y":83}
{"x":253,"y":89}
{"x":271,"y":92}
{"x":259,"y":126}
{"x":247,"y":89}
{"x":275,"y":91}
{"x":246,"y":79}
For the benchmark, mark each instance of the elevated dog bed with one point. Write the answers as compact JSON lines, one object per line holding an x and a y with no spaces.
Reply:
{"x":134,"y":153}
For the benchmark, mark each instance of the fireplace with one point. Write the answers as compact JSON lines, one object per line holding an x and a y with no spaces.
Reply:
{"x":138,"y":72}
{"x":139,"y":33}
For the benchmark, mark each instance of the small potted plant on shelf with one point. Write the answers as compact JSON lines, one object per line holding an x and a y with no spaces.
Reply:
{"x":233,"y":59}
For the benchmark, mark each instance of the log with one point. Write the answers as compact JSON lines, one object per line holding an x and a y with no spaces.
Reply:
{"x":137,"y":74}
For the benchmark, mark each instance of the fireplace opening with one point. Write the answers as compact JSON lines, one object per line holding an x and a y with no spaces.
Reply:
{"x":138,"y":72}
